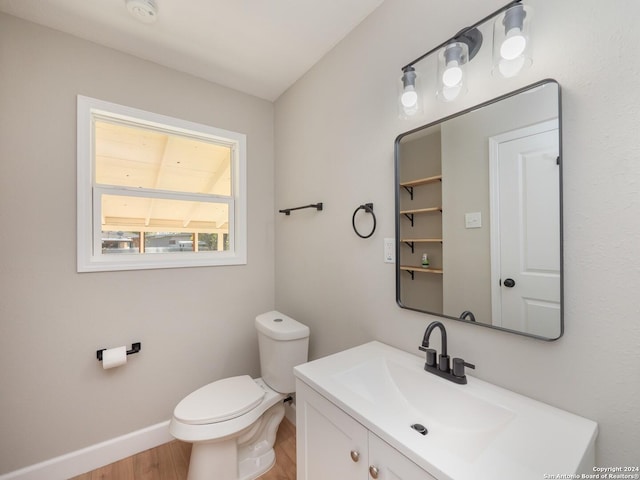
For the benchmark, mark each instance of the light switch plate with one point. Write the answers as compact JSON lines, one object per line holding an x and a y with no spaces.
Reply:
{"x":473,"y":220}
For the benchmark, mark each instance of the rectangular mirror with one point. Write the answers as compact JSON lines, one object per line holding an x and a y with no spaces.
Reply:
{"x":479,"y":214}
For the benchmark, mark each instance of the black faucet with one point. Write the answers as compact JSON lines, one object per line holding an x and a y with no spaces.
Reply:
{"x":441,"y":366}
{"x":468,"y":315}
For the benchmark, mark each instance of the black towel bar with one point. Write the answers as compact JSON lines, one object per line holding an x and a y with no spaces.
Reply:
{"x":287,"y":211}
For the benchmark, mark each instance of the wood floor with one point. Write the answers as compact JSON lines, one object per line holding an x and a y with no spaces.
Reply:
{"x":171,"y":461}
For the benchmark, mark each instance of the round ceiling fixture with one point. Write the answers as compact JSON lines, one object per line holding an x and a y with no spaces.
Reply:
{"x":145,"y":11}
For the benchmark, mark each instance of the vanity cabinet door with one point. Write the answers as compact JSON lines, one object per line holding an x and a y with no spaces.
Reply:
{"x":389,"y":464}
{"x":330,"y":444}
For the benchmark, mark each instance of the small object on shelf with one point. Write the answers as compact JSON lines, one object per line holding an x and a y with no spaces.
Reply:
{"x":425,"y":260}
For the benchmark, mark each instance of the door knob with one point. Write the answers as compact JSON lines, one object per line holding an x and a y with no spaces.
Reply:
{"x":509,"y":283}
{"x":373,"y":471}
{"x":355,"y":455}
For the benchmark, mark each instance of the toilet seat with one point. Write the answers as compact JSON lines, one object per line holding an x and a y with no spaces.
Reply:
{"x":220,"y":401}
{"x":229,"y":428}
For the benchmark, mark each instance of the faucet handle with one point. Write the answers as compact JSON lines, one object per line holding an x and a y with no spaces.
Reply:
{"x":458,"y":367}
{"x":431,"y":356}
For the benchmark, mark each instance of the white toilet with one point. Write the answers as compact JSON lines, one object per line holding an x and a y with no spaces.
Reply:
{"x":233,"y":422}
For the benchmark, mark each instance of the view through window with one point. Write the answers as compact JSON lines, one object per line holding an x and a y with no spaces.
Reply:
{"x":133,"y":157}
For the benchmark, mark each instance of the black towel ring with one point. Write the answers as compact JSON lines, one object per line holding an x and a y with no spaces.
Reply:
{"x":367,"y":207}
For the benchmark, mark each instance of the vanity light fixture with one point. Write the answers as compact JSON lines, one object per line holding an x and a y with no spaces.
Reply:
{"x":454,"y":56}
{"x":512,"y":40}
{"x":409,"y":98}
{"x":511,"y":47}
{"x":452,"y":63}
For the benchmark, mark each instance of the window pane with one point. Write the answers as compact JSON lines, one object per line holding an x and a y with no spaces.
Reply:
{"x":167,"y":225}
{"x":163,"y":242}
{"x":144,"y":158}
{"x":120,"y":242}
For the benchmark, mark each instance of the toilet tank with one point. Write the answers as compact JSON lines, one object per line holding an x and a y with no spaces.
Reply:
{"x":283,"y":343}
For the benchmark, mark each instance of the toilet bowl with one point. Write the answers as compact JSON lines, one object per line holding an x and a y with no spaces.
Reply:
{"x":233,"y":422}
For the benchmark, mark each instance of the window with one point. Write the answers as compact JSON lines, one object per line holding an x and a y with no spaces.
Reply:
{"x":157,"y":192}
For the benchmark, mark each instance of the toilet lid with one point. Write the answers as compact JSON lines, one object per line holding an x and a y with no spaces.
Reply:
{"x":219,"y":401}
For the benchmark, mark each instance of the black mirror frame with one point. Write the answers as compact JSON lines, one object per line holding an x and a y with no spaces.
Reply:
{"x":397,"y":207}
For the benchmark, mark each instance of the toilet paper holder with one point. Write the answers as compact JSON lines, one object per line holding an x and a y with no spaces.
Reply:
{"x":135,"y":348}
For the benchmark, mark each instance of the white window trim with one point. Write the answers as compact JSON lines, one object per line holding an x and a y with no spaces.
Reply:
{"x":90,"y":257}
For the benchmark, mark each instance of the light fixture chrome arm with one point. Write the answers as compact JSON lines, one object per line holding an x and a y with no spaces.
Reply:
{"x":462,"y":33}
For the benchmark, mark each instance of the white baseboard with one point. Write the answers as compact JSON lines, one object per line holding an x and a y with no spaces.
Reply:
{"x":95,"y":456}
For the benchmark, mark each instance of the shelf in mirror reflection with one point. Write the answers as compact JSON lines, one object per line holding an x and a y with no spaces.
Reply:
{"x":421,"y":210}
{"x":421,"y":240}
{"x":410,"y":268}
{"x":422,"y":181}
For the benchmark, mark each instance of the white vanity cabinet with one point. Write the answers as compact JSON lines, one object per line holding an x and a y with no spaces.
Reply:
{"x":391,"y":464}
{"x":332,"y":445}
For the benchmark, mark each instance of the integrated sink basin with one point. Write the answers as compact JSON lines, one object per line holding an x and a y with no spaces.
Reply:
{"x":473,"y":431}
{"x":463,"y":423}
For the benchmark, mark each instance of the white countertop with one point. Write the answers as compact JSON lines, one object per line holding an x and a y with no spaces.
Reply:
{"x":476,"y":431}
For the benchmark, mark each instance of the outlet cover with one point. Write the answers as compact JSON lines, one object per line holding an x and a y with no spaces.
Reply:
{"x":389,"y":250}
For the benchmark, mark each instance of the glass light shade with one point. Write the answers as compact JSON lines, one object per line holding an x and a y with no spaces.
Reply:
{"x":452,"y":74}
{"x":512,"y":41}
{"x":513,"y":45}
{"x":409,"y":102}
{"x":409,"y":97}
{"x":452,"y":62}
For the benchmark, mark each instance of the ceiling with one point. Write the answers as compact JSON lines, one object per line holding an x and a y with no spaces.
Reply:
{"x":136,"y":158}
{"x":260,"y":47}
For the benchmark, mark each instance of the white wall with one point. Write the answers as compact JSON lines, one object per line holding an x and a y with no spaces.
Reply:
{"x":195,"y":324}
{"x":334,"y":143}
